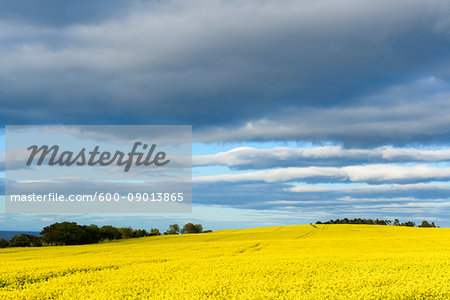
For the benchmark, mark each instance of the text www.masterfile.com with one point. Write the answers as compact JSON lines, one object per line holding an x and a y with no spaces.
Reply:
{"x":101,"y":197}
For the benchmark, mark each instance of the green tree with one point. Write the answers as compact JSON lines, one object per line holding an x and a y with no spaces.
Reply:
{"x":35,"y":241}
{"x":137,"y":233}
{"x":154,"y":231}
{"x":109,"y":232}
{"x":21,"y":240}
{"x":92,"y":234}
{"x":192,"y":228}
{"x":126,"y":232}
{"x":65,"y":233}
{"x":408,"y":224}
{"x":51,"y":234}
{"x":425,"y":224}
{"x":71,"y":233}
{"x":4,"y":243}
{"x":173,"y":229}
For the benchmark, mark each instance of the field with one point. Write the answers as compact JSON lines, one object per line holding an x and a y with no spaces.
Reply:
{"x":291,"y":262}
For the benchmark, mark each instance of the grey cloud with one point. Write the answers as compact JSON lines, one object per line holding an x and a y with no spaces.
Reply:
{"x":387,"y":189}
{"x":117,"y":134}
{"x":252,"y":158}
{"x":405,"y":202}
{"x":225,"y":64}
{"x":377,"y":173}
{"x":410,"y":120}
{"x":327,"y":198}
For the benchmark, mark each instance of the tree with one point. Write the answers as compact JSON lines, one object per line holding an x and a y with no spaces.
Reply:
{"x":357,"y":221}
{"x":126,"y":232}
{"x":137,"y":233}
{"x":408,"y":224}
{"x":4,"y":243}
{"x":21,"y":240}
{"x":65,"y":233}
{"x":92,"y":234}
{"x":71,"y":233}
{"x":154,"y":231}
{"x":51,"y":235}
{"x":426,"y":224}
{"x":109,"y":232}
{"x":191,"y":228}
{"x":35,"y":241}
{"x":173,"y":229}
{"x":396,"y":222}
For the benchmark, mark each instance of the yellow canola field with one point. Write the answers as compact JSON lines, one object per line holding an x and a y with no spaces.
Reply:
{"x":289,"y":262}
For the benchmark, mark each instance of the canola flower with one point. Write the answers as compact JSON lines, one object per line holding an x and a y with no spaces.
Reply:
{"x":289,"y":262}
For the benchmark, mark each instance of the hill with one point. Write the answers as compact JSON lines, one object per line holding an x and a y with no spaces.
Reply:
{"x":303,"y":262}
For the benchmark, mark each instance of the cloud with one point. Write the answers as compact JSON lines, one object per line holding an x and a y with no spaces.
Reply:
{"x":373,"y":189}
{"x":326,"y":198}
{"x":235,"y":70}
{"x":404,"y":201}
{"x":308,"y":189}
{"x":378,"y":173}
{"x":379,"y":119}
{"x":363,"y":75}
{"x":251,"y":158}
{"x":371,"y":203}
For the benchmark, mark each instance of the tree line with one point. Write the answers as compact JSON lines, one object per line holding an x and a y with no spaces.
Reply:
{"x":70,"y":233}
{"x":396,"y":222}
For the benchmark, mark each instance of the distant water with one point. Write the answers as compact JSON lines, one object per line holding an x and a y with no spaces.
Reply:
{"x":7,"y":235}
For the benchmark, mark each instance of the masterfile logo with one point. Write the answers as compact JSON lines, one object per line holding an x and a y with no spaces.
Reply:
{"x":94,"y":157}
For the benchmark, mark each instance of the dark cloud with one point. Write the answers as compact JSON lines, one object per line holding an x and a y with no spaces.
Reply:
{"x":393,"y":117}
{"x":219,"y":64}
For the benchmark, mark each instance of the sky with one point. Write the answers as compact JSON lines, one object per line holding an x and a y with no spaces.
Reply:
{"x":301,"y":110}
